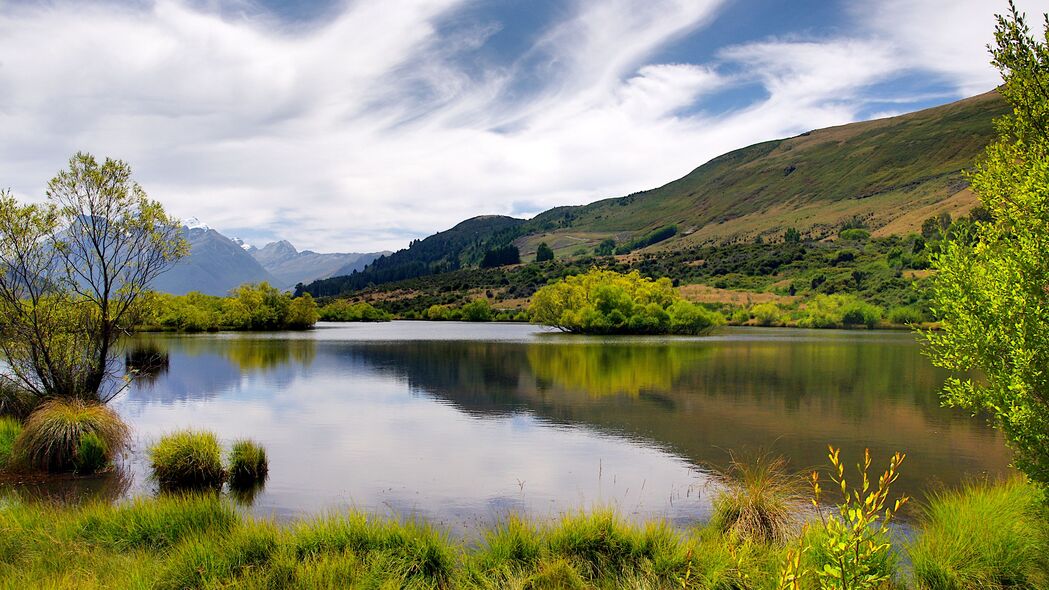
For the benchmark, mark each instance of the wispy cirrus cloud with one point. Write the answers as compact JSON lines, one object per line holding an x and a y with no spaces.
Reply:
{"x":381,"y":123}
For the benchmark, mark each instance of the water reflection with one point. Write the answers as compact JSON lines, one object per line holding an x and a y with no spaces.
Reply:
{"x":472,"y":422}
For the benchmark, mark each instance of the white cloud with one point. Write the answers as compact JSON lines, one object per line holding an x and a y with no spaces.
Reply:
{"x":945,"y":38}
{"x":366,"y":130}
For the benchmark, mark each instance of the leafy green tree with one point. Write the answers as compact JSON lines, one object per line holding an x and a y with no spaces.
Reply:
{"x":792,"y":236}
{"x":543,"y":253}
{"x":478,"y":310}
{"x":606,"y":247}
{"x":77,"y":269}
{"x":991,"y":291}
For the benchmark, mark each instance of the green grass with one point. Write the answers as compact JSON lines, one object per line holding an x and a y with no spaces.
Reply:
{"x":53,"y":436}
{"x":983,"y":536}
{"x":187,"y":459}
{"x":248,"y":465}
{"x":9,"y":431}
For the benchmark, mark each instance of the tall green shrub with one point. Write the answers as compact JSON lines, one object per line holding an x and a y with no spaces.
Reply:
{"x":989,"y":290}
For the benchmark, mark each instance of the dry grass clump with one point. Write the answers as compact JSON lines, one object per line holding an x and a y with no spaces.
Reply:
{"x":762,"y":501}
{"x":71,"y":435}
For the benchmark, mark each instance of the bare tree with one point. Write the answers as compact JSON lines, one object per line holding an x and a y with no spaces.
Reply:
{"x":74,"y":271}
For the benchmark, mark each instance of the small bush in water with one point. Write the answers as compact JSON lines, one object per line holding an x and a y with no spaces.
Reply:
{"x":248,"y":464}
{"x":187,"y":458}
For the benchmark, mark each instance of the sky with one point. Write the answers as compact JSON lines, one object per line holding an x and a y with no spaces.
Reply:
{"x":359,"y":125}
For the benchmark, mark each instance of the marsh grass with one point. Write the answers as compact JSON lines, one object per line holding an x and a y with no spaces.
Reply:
{"x":984,"y":535}
{"x":763,"y":499}
{"x":187,"y":459}
{"x":202,"y":541}
{"x":9,"y":431}
{"x":54,"y":435}
{"x":248,"y":465}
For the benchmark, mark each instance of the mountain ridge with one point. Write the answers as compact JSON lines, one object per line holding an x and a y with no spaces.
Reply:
{"x":887,"y":174}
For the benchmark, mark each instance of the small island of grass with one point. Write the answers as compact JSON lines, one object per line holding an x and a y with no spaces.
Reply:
{"x":608,"y":302}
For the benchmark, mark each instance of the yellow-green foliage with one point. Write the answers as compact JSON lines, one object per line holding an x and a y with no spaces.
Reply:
{"x":852,"y":548}
{"x":767,"y":314}
{"x":249,"y":307}
{"x":607,"y":302}
{"x":187,"y":458}
{"x":9,"y":431}
{"x":990,"y":288}
{"x":54,"y":436}
{"x":837,"y":311}
{"x":983,"y":536}
{"x":342,"y":310}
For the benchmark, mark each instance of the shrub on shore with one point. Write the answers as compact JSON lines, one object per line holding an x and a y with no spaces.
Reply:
{"x":342,"y":310}
{"x":607,"y":302}
{"x":187,"y":459}
{"x":248,"y":465}
{"x":71,"y":435}
{"x":983,"y":536}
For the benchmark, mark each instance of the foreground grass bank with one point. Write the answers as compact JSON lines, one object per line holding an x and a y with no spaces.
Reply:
{"x":987,"y":536}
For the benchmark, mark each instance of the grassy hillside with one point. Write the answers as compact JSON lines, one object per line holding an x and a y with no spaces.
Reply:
{"x":892,"y":173}
{"x":887,"y":175}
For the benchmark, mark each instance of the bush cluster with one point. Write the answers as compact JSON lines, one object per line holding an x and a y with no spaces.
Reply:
{"x":249,"y":307}
{"x":607,"y":302}
{"x":343,"y":310}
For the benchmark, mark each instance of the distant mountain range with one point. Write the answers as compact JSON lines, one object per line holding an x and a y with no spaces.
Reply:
{"x":888,"y":174}
{"x":217,"y":264}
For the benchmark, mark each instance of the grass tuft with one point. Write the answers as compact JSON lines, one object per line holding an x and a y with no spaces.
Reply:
{"x":187,"y":459}
{"x":248,"y":465}
{"x":983,"y":535}
{"x":54,"y":435}
{"x":9,"y":431}
{"x":762,"y":500}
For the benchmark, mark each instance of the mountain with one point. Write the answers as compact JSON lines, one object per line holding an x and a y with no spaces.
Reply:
{"x":887,"y":174}
{"x":462,"y":245}
{"x":215,"y":265}
{"x":290,"y":267}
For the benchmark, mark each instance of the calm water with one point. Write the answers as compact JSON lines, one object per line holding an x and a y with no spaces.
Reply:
{"x":462,"y":423}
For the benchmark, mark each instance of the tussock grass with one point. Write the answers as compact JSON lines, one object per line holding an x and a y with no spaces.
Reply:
{"x":9,"y":431}
{"x":187,"y":459}
{"x":762,"y":499}
{"x":983,"y":535}
{"x":53,"y":436}
{"x":248,"y":465}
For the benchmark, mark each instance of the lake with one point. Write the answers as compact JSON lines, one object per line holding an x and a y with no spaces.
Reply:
{"x":462,"y":423}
